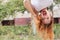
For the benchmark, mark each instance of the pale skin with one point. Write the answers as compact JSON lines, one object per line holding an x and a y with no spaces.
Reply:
{"x":37,"y":18}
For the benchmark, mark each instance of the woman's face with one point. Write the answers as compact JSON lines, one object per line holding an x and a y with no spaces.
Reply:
{"x":46,"y":16}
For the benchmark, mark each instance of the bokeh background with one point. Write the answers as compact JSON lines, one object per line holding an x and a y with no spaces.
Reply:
{"x":15,"y":21}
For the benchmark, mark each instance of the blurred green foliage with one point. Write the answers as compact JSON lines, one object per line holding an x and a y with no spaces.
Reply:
{"x":57,"y":1}
{"x":10,"y":7}
{"x":17,"y":30}
{"x":23,"y":33}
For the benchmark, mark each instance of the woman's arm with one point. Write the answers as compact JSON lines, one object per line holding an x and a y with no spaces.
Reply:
{"x":29,"y":7}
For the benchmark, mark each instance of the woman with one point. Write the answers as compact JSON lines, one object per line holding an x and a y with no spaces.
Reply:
{"x":38,"y":9}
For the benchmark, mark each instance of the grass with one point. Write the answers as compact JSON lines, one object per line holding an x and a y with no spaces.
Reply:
{"x":23,"y":33}
{"x":57,"y":31}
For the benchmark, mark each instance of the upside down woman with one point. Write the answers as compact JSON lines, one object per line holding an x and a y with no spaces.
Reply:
{"x":42,"y":18}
